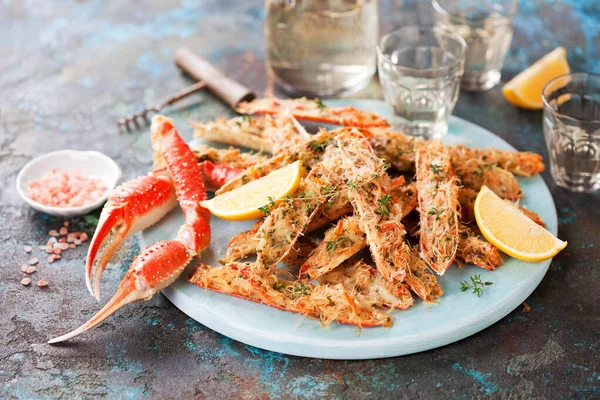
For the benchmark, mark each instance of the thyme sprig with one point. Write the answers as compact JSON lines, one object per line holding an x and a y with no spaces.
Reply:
{"x":266,"y":209}
{"x":476,"y":283}
{"x":384,"y":205}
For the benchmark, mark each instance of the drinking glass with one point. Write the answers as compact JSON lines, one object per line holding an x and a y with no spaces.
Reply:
{"x":419,"y":70}
{"x":486,"y":26}
{"x":572,"y":130}
{"x":321,"y":47}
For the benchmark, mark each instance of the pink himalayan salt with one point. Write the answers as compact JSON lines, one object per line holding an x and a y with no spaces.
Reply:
{"x":63,"y":189}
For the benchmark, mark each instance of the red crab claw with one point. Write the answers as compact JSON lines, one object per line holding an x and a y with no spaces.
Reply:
{"x":131,"y":207}
{"x":216,"y":175}
{"x":160,"y":264}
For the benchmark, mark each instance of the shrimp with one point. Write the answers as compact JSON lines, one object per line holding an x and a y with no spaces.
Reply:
{"x":523,"y":163}
{"x":326,"y":303}
{"x":438,"y":206}
{"x":314,"y":110}
{"x":370,"y":287}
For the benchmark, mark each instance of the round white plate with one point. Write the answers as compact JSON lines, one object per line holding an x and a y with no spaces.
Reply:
{"x":422,"y":327}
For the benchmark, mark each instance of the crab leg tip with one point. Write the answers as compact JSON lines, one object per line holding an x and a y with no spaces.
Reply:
{"x":127,"y":293}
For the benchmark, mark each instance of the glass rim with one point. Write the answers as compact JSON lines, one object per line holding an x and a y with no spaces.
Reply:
{"x":510,"y":13}
{"x":547,"y":104}
{"x":448,"y":33}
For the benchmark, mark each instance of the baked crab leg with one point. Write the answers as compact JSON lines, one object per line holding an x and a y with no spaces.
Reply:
{"x":314,"y":110}
{"x":161,"y":263}
{"x":437,"y":188}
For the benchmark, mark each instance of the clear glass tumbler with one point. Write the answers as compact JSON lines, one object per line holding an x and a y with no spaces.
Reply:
{"x":572,"y":130}
{"x":419,"y":71}
{"x":487,"y":27}
{"x":321,"y":47}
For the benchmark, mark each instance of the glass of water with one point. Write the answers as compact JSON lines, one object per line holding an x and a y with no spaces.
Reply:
{"x":572,"y":130}
{"x":487,"y":27}
{"x":321,"y":47}
{"x":419,"y":71}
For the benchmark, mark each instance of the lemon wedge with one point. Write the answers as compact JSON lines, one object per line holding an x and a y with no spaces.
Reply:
{"x":511,"y":231}
{"x":254,"y":198}
{"x":525,"y":89}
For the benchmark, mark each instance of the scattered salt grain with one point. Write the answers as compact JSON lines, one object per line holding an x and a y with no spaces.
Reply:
{"x":27,"y":249}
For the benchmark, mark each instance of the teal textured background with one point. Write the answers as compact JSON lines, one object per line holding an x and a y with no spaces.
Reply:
{"x":70,"y":69}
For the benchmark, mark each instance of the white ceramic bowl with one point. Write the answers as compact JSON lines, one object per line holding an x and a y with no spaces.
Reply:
{"x":91,"y":163}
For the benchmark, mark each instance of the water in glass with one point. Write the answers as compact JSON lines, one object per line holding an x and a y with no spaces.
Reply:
{"x":321,"y":47}
{"x":419,"y":71}
{"x":487,"y":28}
{"x":572,"y":131}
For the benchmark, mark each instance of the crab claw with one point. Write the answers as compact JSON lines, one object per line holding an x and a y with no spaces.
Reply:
{"x":216,"y":175}
{"x":160,"y":264}
{"x":133,"y":206}
{"x":155,"y":268}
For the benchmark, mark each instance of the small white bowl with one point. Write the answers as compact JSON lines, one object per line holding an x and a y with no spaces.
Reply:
{"x":91,"y":163}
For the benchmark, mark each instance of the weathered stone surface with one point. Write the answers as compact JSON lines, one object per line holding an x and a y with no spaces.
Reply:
{"x":70,"y":69}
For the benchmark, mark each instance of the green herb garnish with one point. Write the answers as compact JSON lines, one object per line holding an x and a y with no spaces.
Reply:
{"x":476,"y":283}
{"x":266,"y":209}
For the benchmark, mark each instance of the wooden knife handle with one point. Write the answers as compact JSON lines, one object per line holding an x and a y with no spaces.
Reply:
{"x":230,"y":91}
